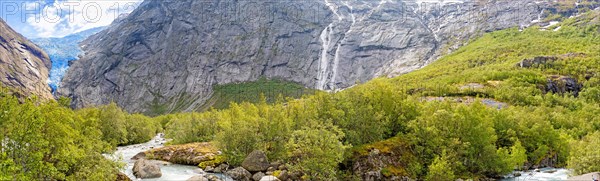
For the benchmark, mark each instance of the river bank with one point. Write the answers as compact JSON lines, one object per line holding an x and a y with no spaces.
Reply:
{"x":169,"y":171}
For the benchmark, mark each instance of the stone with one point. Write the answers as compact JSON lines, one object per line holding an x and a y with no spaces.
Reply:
{"x":122,"y":177}
{"x":198,"y":178}
{"x":239,"y":174}
{"x":256,"y":162}
{"x":283,"y":175}
{"x":209,"y":169}
{"x":185,"y":154}
{"x":140,"y":155}
{"x":269,"y":178}
{"x":538,"y":62}
{"x":212,"y":177}
{"x":221,"y":168}
{"x":257,"y":176}
{"x":145,"y":169}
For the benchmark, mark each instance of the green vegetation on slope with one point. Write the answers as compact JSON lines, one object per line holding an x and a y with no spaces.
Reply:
{"x":473,"y":139}
{"x":49,"y":141}
{"x":223,"y":95}
{"x":251,"y":92}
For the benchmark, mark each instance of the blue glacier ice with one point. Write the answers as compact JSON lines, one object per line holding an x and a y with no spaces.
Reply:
{"x":61,"y":51}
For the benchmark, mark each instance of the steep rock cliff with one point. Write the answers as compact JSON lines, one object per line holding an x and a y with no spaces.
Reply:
{"x":170,"y":53}
{"x":23,"y":65}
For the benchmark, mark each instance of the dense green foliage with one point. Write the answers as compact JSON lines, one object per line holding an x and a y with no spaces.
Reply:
{"x":584,"y":156}
{"x":49,"y":141}
{"x":465,"y":139}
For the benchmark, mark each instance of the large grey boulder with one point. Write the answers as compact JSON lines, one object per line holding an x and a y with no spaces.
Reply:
{"x":239,"y":174}
{"x":146,"y":169}
{"x":256,"y":161}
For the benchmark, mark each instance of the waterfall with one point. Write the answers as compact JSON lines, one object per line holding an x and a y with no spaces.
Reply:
{"x":336,"y":61}
{"x":328,"y":69}
{"x":323,"y":64}
{"x":326,"y":40}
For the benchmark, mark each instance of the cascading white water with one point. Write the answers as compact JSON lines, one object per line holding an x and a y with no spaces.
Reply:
{"x":326,"y":40}
{"x":323,"y":63}
{"x":327,"y":73}
{"x":336,"y":61}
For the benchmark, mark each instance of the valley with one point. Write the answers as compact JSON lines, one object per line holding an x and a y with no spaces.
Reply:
{"x":309,"y":90}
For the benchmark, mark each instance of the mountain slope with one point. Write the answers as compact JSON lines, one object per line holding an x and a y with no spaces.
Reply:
{"x":62,"y":51}
{"x":510,"y":100}
{"x":23,"y":65}
{"x":164,"y":52}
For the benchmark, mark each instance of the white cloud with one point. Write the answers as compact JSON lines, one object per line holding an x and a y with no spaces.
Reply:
{"x":64,"y":17}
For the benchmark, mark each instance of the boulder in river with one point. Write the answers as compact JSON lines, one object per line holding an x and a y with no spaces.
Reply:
{"x":140,"y":155}
{"x":239,"y":174}
{"x":145,"y":169}
{"x":256,"y":162}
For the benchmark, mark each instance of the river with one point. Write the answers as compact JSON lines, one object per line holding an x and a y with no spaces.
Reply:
{"x":559,"y":174}
{"x":170,"y":172}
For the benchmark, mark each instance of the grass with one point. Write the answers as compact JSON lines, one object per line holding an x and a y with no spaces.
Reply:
{"x":251,"y":92}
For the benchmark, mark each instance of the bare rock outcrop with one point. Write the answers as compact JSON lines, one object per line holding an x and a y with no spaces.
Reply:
{"x":24,"y":66}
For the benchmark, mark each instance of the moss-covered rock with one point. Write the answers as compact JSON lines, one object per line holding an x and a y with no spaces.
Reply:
{"x":204,"y":154}
{"x":384,"y":160}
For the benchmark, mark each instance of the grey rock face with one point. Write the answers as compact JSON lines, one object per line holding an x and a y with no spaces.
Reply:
{"x":167,"y":55}
{"x":23,"y":65}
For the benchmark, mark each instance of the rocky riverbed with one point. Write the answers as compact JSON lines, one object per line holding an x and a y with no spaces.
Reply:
{"x":169,"y":171}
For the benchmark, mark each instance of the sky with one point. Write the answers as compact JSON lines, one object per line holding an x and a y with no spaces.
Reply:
{"x":59,"y":18}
